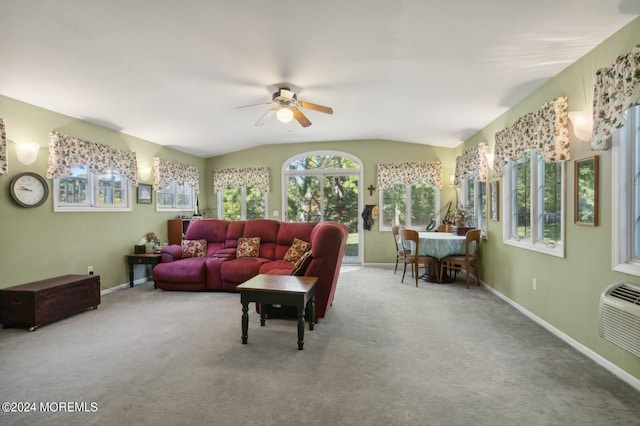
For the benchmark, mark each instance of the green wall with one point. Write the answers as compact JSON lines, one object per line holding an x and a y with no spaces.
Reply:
{"x":38,"y":243}
{"x":568,"y":289}
{"x":378,"y":246}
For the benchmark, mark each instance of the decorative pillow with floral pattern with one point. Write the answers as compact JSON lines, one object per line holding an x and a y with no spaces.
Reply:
{"x":248,"y":247}
{"x":194,"y":248}
{"x":297,"y":249}
{"x":300,"y":266}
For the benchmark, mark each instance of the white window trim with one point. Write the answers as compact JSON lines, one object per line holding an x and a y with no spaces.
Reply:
{"x":387,"y":228}
{"x":480,"y":221}
{"x":93,"y":206}
{"x":243,"y":214}
{"x":621,"y":205}
{"x":162,"y":209}
{"x":507,"y":204}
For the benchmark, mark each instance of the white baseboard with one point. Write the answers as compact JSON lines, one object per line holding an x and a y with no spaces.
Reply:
{"x":617,"y":371}
{"x":125,"y":285}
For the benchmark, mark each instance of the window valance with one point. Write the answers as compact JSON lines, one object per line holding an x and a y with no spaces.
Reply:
{"x":472,"y":164}
{"x":165,"y":172}
{"x":409,"y":173}
{"x":256,"y":176}
{"x":544,"y":131}
{"x":617,"y":89}
{"x":67,"y":151}
{"x":3,"y":149}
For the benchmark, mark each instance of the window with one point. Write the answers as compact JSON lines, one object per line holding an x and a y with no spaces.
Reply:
{"x":247,"y":202}
{"x":175,"y":197}
{"x":87,"y":191}
{"x":625,"y":195}
{"x":411,"y":206}
{"x":533,"y":204}
{"x":474,"y":194}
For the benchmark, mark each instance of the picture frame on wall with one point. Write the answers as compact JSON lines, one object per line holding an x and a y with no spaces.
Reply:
{"x":494,"y":201}
{"x":585,"y":191}
{"x":144,"y":193}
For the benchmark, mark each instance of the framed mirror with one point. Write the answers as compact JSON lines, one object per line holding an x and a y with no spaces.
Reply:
{"x":585,"y":190}
{"x":493,"y":200}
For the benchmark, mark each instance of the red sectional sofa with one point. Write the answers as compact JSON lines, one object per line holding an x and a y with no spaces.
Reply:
{"x":221,"y":270}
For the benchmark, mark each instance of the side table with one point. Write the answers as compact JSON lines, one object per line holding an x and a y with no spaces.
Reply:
{"x":142,"y":259}
{"x":281,"y":289}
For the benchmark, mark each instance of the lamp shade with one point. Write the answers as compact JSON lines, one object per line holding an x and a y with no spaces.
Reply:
{"x":582,"y":122}
{"x":27,"y":152}
{"x":284,"y":115}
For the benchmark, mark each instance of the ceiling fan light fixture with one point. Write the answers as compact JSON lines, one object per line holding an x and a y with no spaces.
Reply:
{"x":284,"y":115}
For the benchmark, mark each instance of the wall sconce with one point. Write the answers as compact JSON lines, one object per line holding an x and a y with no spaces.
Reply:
{"x":284,"y":115}
{"x":490,"y":158}
{"x":452,"y":180}
{"x":144,"y":173}
{"x":27,"y":152}
{"x":582,"y":122}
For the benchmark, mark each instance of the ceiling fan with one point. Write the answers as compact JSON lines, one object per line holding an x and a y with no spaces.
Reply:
{"x":286,"y":107}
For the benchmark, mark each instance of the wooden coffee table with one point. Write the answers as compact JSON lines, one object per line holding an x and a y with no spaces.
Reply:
{"x":279,"y":289}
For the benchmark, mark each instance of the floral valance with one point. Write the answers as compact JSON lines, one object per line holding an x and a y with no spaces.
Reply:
{"x":165,"y":172}
{"x":472,"y":164}
{"x":3,"y":149}
{"x":67,"y":151}
{"x":544,"y":131}
{"x":617,"y":89}
{"x":250,"y":176}
{"x":409,"y":173}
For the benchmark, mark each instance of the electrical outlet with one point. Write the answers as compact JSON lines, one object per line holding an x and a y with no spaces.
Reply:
{"x":276,"y":213}
{"x":535,"y":284}
{"x":90,"y":270}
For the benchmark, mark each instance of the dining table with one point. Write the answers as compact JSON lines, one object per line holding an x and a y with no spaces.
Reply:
{"x":439,"y":245}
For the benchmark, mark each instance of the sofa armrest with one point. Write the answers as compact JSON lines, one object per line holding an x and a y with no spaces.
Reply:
{"x":171,"y":253}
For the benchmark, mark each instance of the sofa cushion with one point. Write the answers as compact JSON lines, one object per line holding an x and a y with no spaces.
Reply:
{"x":194,"y":248}
{"x":277,"y":267}
{"x":300,"y":267}
{"x":248,"y":247}
{"x":240,"y":270}
{"x":183,"y":271}
{"x":297,"y":249}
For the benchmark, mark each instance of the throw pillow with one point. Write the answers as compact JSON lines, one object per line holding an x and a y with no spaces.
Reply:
{"x":248,"y":247}
{"x":194,"y":248}
{"x":300,"y":266}
{"x":297,"y":249}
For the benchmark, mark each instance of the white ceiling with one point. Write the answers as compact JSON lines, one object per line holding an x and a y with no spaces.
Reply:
{"x":173,"y":72}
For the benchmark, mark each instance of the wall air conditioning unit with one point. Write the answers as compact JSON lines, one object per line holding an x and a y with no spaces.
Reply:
{"x":620,"y":316}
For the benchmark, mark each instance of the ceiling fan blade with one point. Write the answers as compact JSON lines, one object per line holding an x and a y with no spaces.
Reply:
{"x":316,"y":107}
{"x":300,"y":117}
{"x":250,"y":105}
{"x":266,"y":116}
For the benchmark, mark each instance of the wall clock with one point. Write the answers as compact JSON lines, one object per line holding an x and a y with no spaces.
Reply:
{"x":29,"y":189}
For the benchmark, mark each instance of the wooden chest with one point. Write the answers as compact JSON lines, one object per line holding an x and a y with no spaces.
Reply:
{"x":42,"y":302}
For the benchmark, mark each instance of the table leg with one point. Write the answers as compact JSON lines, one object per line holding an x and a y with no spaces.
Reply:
{"x":312,"y":312}
{"x":263,"y":315}
{"x":300,"y":326}
{"x":245,"y":322}
{"x":131,"y":275}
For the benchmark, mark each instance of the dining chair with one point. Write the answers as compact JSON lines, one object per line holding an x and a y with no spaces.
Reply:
{"x":444,"y":228}
{"x":410,"y":238}
{"x":400,"y":250}
{"x":464,"y":262}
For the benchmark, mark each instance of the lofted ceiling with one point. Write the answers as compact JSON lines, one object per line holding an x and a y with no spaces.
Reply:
{"x":174,"y":72}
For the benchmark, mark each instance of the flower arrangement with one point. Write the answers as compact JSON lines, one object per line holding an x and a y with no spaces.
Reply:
{"x":150,"y":238}
{"x":462,"y":215}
